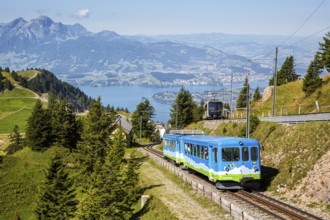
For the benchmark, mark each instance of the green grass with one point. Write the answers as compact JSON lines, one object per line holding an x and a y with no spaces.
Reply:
{"x":291,"y":150}
{"x":19,"y":118}
{"x":290,"y":96}
{"x":15,"y":108}
{"x":22,"y":175}
{"x":18,"y":92}
{"x":28,"y":73}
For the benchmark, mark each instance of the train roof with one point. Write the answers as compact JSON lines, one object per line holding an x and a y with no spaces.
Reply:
{"x":221,"y":140}
{"x":214,"y":140}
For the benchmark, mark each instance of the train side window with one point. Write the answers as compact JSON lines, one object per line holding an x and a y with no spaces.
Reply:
{"x":194,"y":147}
{"x":245,"y":154}
{"x":202,"y":152}
{"x":206,"y":156}
{"x":254,"y":153}
{"x":198,"y":151}
{"x":215,"y":154}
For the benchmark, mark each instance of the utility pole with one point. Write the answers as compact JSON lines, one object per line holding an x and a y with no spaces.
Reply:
{"x":231,"y":96}
{"x":275,"y":82}
{"x":140,"y":124}
{"x":176,"y":116}
{"x":248,"y":109}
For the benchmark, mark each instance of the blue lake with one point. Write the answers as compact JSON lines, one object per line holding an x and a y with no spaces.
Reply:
{"x":130,"y":96}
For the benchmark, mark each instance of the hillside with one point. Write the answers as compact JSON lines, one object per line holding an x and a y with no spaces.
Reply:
{"x":290,"y":99}
{"x":16,"y":105}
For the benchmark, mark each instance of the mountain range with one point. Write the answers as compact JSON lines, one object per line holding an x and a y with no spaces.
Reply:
{"x":106,"y":58}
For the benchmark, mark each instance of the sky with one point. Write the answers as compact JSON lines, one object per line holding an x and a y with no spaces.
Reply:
{"x":154,"y":17}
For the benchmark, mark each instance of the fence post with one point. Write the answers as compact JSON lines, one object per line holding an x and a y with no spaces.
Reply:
{"x":317,"y":106}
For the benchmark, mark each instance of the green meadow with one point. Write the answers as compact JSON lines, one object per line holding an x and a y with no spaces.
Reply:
{"x":15,"y":108}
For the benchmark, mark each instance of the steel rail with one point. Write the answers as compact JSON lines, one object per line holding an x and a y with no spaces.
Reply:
{"x":292,"y":212}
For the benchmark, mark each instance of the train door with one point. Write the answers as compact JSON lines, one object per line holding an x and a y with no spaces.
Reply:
{"x":255,"y":158}
{"x":250,"y":159}
{"x":213,"y":162}
{"x":246,"y":160}
{"x":177,"y":151}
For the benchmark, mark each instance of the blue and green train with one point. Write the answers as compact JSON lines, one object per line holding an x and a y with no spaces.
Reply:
{"x":230,"y":162}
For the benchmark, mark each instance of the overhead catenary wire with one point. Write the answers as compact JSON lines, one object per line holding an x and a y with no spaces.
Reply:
{"x":300,"y":26}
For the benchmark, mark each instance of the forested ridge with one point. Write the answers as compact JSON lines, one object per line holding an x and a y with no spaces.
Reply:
{"x":45,"y":82}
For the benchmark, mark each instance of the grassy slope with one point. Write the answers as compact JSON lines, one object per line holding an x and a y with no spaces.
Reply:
{"x":290,"y":96}
{"x":289,"y":152}
{"x":16,"y":105}
{"x":28,"y":73}
{"x":21,"y":176}
{"x":15,"y":108}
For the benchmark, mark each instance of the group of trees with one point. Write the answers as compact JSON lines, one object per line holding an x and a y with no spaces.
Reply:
{"x":286,"y":74}
{"x":104,"y":178}
{"x":47,"y":82}
{"x":242,"y":98}
{"x":321,"y":61}
{"x":142,"y":123}
{"x":185,"y":110}
{"x":5,"y":83}
{"x":55,"y":125}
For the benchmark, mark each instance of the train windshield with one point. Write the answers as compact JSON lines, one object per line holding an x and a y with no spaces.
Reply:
{"x":230,"y":154}
{"x":245,"y":153}
{"x":215,"y":106}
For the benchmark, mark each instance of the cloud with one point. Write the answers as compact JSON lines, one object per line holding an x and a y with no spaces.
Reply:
{"x":41,"y":11}
{"x":83,"y":13}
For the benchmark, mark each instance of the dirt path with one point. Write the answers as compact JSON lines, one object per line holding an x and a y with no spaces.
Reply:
{"x":183,"y":204}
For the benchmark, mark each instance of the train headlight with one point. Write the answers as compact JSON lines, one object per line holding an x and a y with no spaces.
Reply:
{"x":240,"y":143}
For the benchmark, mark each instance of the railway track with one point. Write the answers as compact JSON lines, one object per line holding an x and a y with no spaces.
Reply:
{"x":152,"y":150}
{"x":262,"y":206}
{"x":273,"y":207}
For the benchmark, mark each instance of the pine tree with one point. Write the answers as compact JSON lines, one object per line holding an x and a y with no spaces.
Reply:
{"x":89,"y":207}
{"x":38,"y":133}
{"x":143,"y":115}
{"x":15,"y":141}
{"x":2,"y":87}
{"x":312,"y":79}
{"x":14,"y":75}
{"x":7,"y":85}
{"x":58,"y":198}
{"x":185,"y":106}
{"x":94,"y":142}
{"x":199,"y":112}
{"x":65,"y":128}
{"x":114,"y":196}
{"x":288,"y":68}
{"x":325,"y":51}
{"x":256,"y":95}
{"x":286,"y":74}
{"x":241,"y":101}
